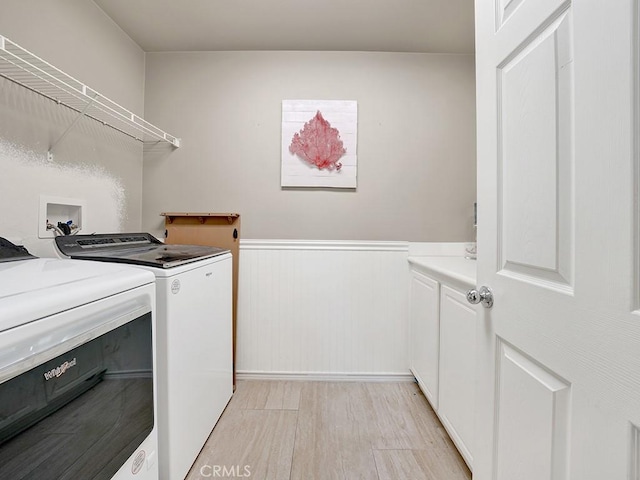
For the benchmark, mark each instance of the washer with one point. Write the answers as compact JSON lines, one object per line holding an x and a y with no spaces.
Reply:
{"x":194,"y":341}
{"x":77,"y":364}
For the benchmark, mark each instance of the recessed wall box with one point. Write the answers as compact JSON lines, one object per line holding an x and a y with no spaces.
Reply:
{"x":58,"y":209}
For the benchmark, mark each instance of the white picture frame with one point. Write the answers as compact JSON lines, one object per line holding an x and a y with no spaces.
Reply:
{"x":298,"y":115}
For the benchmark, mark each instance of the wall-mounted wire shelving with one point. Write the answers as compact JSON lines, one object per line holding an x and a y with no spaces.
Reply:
{"x":30,"y":71}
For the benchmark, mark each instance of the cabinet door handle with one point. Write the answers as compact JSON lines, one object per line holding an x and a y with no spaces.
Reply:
{"x":484,"y":296}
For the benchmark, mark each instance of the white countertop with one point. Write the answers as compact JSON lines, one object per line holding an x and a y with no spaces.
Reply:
{"x":460,"y":270}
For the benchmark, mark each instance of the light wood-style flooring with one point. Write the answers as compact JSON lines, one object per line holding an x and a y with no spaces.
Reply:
{"x":297,"y":430}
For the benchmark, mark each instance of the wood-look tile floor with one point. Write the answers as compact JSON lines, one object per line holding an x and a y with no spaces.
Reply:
{"x":295,"y":430}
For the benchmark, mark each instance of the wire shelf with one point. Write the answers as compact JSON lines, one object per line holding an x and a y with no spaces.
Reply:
{"x":30,"y":71}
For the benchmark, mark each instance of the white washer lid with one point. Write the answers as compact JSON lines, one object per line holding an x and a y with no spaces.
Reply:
{"x":40,"y":287}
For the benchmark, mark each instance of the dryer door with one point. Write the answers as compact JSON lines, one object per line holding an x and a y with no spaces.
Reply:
{"x":77,"y":408}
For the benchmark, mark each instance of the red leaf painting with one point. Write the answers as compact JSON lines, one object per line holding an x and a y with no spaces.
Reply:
{"x":318,"y":144}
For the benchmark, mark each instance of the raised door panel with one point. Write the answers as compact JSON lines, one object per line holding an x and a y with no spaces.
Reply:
{"x":532,"y":419}
{"x":535,"y":135}
{"x":504,"y":10}
{"x":424,"y":334}
{"x":457,"y":369}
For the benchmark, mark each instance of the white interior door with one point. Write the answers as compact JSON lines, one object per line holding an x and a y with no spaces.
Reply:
{"x":558,"y":390}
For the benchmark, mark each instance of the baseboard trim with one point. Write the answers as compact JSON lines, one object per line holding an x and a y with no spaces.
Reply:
{"x":326,"y":376}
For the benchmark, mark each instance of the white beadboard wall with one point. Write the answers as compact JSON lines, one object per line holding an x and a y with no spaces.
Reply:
{"x":322,"y":309}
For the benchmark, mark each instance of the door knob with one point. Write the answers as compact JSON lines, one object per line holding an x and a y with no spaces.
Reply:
{"x":484,"y":296}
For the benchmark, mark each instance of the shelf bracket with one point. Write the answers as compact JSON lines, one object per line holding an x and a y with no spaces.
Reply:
{"x":70,"y":127}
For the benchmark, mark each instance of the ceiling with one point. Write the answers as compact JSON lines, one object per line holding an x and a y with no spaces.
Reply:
{"x":429,"y":26}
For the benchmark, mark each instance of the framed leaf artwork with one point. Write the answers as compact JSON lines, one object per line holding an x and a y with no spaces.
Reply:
{"x":319,"y":139}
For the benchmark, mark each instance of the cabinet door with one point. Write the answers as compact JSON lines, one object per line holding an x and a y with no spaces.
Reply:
{"x":424,"y":334}
{"x":457,"y":368}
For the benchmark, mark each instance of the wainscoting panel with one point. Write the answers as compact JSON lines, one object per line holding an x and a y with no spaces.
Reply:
{"x":322,"y":309}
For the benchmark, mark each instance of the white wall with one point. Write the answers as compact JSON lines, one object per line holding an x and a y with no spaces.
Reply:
{"x":416,"y":143}
{"x":93,"y":163}
{"x":322,"y":309}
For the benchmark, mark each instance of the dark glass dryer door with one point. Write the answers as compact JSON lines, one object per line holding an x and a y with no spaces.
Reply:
{"x":81,"y":414}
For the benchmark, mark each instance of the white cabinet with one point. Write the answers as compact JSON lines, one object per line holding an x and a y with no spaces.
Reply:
{"x":442,"y":339}
{"x":457,"y":368}
{"x":424,"y":334}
